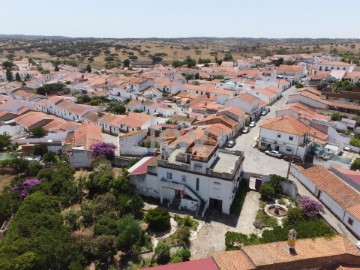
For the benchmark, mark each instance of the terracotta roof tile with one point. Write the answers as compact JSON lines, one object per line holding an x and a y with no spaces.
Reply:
{"x":287,"y":124}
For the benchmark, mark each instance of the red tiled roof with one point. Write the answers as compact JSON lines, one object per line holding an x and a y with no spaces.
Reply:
{"x":201,"y":264}
{"x":287,"y":124}
{"x":141,"y":166}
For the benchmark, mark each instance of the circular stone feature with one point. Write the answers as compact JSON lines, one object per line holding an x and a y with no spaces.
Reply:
{"x":276,"y":210}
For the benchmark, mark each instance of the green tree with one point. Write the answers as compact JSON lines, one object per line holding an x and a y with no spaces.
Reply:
{"x":50,"y":157}
{"x":88,"y":68}
{"x":355,"y":142}
{"x":39,"y":149}
{"x":38,"y":132}
{"x":17,"y":77}
{"x":355,"y":165}
{"x":5,"y":140}
{"x":9,"y":75}
{"x":37,"y":238}
{"x":126,"y":63}
{"x":129,"y":233}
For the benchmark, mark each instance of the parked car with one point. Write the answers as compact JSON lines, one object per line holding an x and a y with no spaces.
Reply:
{"x":263,"y":113}
{"x":273,"y":153}
{"x":267,"y":109}
{"x":294,"y":159}
{"x":230,"y":143}
{"x":252,"y":124}
{"x":245,"y":130}
{"x":347,"y":148}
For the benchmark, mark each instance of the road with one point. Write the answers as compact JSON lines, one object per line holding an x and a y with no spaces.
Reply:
{"x":255,"y":160}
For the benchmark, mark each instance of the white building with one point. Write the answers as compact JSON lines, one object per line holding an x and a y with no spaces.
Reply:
{"x":248,"y":103}
{"x":196,"y":176}
{"x":285,"y":134}
{"x":329,"y":66}
{"x":335,"y":194}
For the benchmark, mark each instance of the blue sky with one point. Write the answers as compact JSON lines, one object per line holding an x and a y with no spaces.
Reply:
{"x":185,"y":18}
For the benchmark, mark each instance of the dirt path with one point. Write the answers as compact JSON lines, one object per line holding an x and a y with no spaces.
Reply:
{"x":248,"y":213}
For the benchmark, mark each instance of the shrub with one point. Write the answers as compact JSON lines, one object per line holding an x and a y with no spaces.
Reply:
{"x":299,"y":85}
{"x":49,"y":157}
{"x":355,"y":165}
{"x":162,"y":252}
{"x":158,"y":219}
{"x":181,"y":255}
{"x":267,"y":190}
{"x":311,"y":208}
{"x":38,"y":132}
{"x":336,"y":116}
{"x":294,"y":216}
{"x":186,"y":221}
{"x":104,"y":149}
{"x":355,"y":142}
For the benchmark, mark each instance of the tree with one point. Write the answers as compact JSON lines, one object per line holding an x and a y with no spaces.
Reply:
{"x":88,"y":68}
{"x":197,"y":76}
{"x":177,"y":63}
{"x":355,"y":142}
{"x":5,"y":140}
{"x":189,"y":62}
{"x":17,"y":77}
{"x":104,"y":149}
{"x":129,"y":233}
{"x":7,"y":65}
{"x":311,"y":208}
{"x":56,"y":68}
{"x":158,"y":219}
{"x":355,"y":165}
{"x":117,"y":107}
{"x":162,"y":252}
{"x":9,"y":75}
{"x":299,"y":85}
{"x":38,"y":132}
{"x":37,"y":238}
{"x":39,"y":149}
{"x":126,"y":63}
{"x":50,"y":157}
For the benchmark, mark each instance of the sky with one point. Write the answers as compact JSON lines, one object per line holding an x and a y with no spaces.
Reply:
{"x":185,"y":18}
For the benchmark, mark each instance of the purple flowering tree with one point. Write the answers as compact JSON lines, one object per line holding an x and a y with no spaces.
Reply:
{"x":312,"y":208}
{"x":104,"y":149}
{"x":24,"y":188}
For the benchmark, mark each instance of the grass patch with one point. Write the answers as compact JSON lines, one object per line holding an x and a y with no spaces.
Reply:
{"x":186,"y":221}
{"x":239,"y":199}
{"x":263,"y":220}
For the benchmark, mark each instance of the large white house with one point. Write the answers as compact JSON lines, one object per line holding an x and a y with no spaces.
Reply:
{"x":285,"y":134}
{"x":192,"y":174}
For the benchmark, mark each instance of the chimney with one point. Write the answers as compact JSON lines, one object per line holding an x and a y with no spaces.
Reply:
{"x":291,"y":241}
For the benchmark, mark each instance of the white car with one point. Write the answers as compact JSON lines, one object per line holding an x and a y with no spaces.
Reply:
{"x":252,"y":124}
{"x":273,"y":153}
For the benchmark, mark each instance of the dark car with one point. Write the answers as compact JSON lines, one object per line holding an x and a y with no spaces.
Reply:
{"x":230,"y":143}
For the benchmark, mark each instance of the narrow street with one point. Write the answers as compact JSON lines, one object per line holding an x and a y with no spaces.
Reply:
{"x":255,"y":160}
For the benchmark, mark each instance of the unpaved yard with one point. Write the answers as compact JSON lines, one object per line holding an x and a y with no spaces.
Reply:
{"x":5,"y":180}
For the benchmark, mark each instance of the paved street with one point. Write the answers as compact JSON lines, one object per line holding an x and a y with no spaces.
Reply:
{"x":255,"y":160}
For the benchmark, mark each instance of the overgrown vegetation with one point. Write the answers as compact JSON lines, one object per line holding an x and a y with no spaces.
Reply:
{"x":239,"y":199}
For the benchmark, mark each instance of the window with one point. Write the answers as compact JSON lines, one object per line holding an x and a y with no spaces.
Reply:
{"x":169,"y":175}
{"x":291,"y":138}
{"x":197,"y":184}
{"x":350,"y":221}
{"x":183,"y":178}
{"x":263,"y":144}
{"x":217,"y":186}
{"x":289,"y":150}
{"x":279,"y":135}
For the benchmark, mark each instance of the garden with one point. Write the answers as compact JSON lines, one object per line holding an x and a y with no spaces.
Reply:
{"x":278,"y":214}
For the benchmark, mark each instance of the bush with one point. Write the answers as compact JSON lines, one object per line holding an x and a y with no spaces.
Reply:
{"x":50,"y":157}
{"x":130,"y":233}
{"x":186,"y":221}
{"x":162,"y":252}
{"x":299,"y":85}
{"x":355,"y":165}
{"x":181,"y":255}
{"x":355,"y":142}
{"x":294,"y":215}
{"x":239,"y":199}
{"x":311,"y":208}
{"x":267,"y":190}
{"x":336,"y":116}
{"x":38,"y":132}
{"x":39,"y":149}
{"x":158,"y":219}
{"x":263,"y":220}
